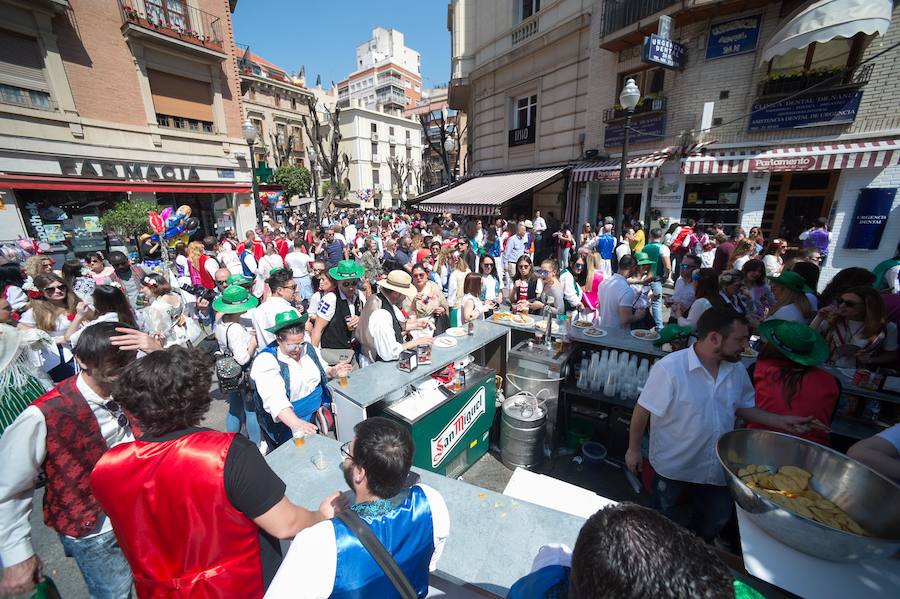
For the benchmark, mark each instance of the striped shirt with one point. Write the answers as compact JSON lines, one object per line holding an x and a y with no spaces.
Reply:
{"x":15,"y":399}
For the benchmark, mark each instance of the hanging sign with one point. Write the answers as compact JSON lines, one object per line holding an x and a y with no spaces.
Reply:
{"x":873,"y":206}
{"x":737,"y":36}
{"x":663,"y":52}
{"x":668,"y":187}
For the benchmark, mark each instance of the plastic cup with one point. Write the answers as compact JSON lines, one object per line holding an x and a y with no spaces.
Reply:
{"x":319,"y":461}
{"x":299,"y":438}
{"x":343,"y":379}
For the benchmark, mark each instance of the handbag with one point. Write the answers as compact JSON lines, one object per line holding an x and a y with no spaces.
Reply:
{"x":378,"y":552}
{"x":231,"y":375}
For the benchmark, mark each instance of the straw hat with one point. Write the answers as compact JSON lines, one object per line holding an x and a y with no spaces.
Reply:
{"x":529,"y":224}
{"x":288,"y":318}
{"x":797,"y":341}
{"x":234,"y":300}
{"x":400,"y":281}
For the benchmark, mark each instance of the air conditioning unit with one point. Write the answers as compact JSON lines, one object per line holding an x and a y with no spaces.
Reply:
{"x":374,"y":137}
{"x":377,"y":187}
{"x":376,"y":158}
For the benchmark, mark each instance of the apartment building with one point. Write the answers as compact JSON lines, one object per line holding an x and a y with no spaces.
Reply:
{"x":438,"y":114}
{"x":103,"y":101}
{"x":520,"y":71}
{"x":374,"y":140}
{"x":386,"y":73}
{"x":752,"y":125}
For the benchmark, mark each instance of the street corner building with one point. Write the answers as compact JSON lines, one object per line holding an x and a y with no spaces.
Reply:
{"x":125,"y":99}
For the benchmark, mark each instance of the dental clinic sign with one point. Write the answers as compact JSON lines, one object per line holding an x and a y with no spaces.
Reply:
{"x":126,"y":171}
{"x":813,"y":110}
{"x":873,"y":207}
{"x":447,"y":439}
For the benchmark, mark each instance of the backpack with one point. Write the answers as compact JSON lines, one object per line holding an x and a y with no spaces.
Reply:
{"x":231,"y":375}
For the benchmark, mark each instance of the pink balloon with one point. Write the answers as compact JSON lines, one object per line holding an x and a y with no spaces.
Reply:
{"x":166,"y":213}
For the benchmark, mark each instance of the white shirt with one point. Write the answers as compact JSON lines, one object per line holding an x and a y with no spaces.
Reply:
{"x":689,"y":411}
{"x":540,"y":225}
{"x":236,"y":339}
{"x":108,"y":317}
{"x":684,"y":292}
{"x":571,"y":291}
{"x":490,"y":283}
{"x":382,"y":330}
{"x":350,"y":232}
{"x":328,"y":304}
{"x":310,"y":566}
{"x":740,"y":262}
{"x":23,"y":449}
{"x":229,"y":259}
{"x":614,"y":292}
{"x":264,"y":317}
{"x":707,"y":258}
{"x":50,"y":356}
{"x":298,"y":262}
{"x":477,"y":304}
{"x":789,"y":312}
{"x":266,"y":374}
{"x":267,"y":264}
{"x":211,"y":266}
{"x":694,"y":313}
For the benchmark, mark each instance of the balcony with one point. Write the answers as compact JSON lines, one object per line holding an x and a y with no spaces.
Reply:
{"x":822,"y":80}
{"x":392,"y":99}
{"x":619,"y":14}
{"x":526,"y":30}
{"x":175,"y":21}
{"x":646,"y":106}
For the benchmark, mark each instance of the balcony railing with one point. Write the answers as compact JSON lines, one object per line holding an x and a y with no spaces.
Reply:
{"x":622,"y":13}
{"x":175,"y":19}
{"x":392,"y":98}
{"x":647,"y":105}
{"x":792,"y":83}
{"x":525,"y":31}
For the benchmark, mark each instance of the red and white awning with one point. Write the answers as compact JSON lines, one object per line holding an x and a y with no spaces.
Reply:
{"x":642,"y":167}
{"x":874,"y":154}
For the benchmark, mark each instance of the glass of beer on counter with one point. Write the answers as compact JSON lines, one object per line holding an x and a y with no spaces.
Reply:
{"x":299,"y":438}
{"x":344,"y":371}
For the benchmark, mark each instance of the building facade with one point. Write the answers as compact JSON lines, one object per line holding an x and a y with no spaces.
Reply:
{"x":746,"y":130}
{"x":438,"y":114}
{"x":104,"y":101}
{"x":520,"y":72}
{"x":386,"y":74}
{"x":383,"y":148}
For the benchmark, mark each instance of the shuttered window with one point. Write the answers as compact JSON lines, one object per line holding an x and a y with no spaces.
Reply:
{"x":22,"y":78}
{"x":180,"y":97}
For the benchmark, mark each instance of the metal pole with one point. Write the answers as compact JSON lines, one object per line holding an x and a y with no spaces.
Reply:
{"x":315,"y":177}
{"x":259,"y":221}
{"x":623,"y":167}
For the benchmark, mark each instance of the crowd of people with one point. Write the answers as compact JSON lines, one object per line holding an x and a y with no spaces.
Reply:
{"x":107,"y":362}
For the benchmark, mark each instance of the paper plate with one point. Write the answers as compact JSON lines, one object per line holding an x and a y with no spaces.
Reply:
{"x":592,"y":332}
{"x":521,"y":319}
{"x":456,"y":332}
{"x":582,"y":324}
{"x":645,"y":334}
{"x":444,"y":342}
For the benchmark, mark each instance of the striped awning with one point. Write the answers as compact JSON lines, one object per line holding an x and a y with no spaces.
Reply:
{"x":875,"y":154}
{"x":482,"y":196}
{"x":641,"y":167}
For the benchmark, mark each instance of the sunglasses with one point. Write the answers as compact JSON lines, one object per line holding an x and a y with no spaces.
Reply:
{"x":849,"y":303}
{"x":293,"y":347}
{"x":117,"y":412}
{"x":687,"y":266}
{"x":291,"y":287}
{"x":525,"y":266}
{"x":487,"y":265}
{"x":419,"y":275}
{"x":54,"y":289}
{"x":542,"y":272}
{"x":221,"y":282}
{"x":351,"y":283}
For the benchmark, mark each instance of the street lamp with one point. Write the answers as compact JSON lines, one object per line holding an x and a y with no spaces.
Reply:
{"x":450,"y":146}
{"x":629,"y":99}
{"x":313,"y":162}
{"x":250,"y":134}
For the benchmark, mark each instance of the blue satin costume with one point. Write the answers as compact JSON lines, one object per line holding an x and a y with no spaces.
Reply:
{"x":549,"y":582}
{"x":406,"y":532}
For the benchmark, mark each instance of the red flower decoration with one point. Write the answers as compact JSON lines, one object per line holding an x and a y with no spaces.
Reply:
{"x":70,"y":316}
{"x":15,"y":316}
{"x":33,"y":294}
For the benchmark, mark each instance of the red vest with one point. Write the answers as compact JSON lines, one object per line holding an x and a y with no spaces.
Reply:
{"x":174,"y":522}
{"x":205,"y":278}
{"x":74,"y":444}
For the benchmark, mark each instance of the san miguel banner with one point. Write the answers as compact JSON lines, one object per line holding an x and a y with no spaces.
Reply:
{"x":873,"y":207}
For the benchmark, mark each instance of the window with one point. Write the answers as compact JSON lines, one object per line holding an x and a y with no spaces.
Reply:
{"x":409,"y":153}
{"x":260,"y":133}
{"x":375,"y":177}
{"x":181,"y":98}
{"x":374,"y":127}
{"x":390,"y":131}
{"x":834,"y":55}
{"x":177,"y":122}
{"x":407,"y":134}
{"x":169,"y":13}
{"x":529,"y":7}
{"x":374,"y":148}
{"x":253,"y":94}
{"x":293,"y":103}
{"x":277,"y":100}
{"x":649,"y":81}
{"x":296,"y":139}
{"x":393,"y":150}
{"x":525,"y":112}
{"x":22,"y":78}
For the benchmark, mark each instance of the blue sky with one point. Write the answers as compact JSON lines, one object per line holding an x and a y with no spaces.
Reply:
{"x":323,"y":35}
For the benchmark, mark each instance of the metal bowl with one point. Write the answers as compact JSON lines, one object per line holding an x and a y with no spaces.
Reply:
{"x":868,"y":497}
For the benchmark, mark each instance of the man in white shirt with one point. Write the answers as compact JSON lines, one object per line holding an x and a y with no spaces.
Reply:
{"x":283,"y":295}
{"x":382,"y":324}
{"x":64,"y":433}
{"x":228,"y":257}
{"x":539,"y":226}
{"x":291,"y":380}
{"x":515,"y":247}
{"x":691,"y":399}
{"x":617,"y":298}
{"x":210,"y":263}
{"x":328,"y":559}
{"x":298,"y":261}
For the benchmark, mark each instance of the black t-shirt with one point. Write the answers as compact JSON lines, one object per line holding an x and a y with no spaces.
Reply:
{"x":250,"y":485}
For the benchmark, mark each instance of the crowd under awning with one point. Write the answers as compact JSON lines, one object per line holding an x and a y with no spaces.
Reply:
{"x":826,"y":20}
{"x":484,"y":195}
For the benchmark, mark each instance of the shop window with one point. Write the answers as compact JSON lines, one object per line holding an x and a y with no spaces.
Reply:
{"x":525,"y":112}
{"x":181,"y":98}
{"x":714,"y":202}
{"x":70,"y":217}
{"x":22,"y":80}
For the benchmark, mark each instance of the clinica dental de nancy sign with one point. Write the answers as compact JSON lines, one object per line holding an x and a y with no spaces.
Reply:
{"x":126,"y":171}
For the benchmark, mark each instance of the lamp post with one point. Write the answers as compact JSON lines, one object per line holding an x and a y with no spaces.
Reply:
{"x":315,"y":168}
{"x":629,"y":99}
{"x":450,"y":146}
{"x":250,"y":134}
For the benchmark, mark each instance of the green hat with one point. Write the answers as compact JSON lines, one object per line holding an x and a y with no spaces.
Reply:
{"x":234,"y":300}
{"x":791,"y":280}
{"x":346,"y":270}
{"x":239,"y":280}
{"x":796,"y":341}
{"x":671,"y":332}
{"x":288,"y":318}
{"x":642,"y":258}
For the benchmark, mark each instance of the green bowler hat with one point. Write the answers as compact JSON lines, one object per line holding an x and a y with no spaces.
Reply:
{"x":234,"y":300}
{"x":288,"y":318}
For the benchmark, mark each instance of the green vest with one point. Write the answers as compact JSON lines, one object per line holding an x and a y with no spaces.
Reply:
{"x":652,"y":251}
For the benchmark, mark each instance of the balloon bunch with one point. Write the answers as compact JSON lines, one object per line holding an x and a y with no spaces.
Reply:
{"x":171,"y":224}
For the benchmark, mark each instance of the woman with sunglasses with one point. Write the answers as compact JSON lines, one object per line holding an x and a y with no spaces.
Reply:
{"x":526,"y":287}
{"x":429,"y":304}
{"x":857,"y":332}
{"x":101,"y":273}
{"x":51,"y":312}
{"x":551,"y":289}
